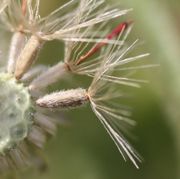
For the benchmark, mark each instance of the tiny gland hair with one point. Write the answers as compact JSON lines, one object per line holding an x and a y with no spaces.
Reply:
{"x":29,"y":114}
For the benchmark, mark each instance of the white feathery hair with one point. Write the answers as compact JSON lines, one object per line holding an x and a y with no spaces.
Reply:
{"x":90,"y":67}
{"x":58,"y":24}
{"x":78,"y":48}
{"x":102,"y":91}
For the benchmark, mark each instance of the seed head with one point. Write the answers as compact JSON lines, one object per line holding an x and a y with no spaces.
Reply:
{"x":27,"y":112}
{"x":21,"y":123}
{"x":15,"y":112}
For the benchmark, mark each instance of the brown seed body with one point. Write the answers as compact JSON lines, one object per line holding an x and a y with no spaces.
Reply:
{"x":17,"y":44}
{"x":64,"y":99}
{"x":27,"y":56}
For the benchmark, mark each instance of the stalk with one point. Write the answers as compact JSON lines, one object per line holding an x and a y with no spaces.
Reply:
{"x":49,"y":77}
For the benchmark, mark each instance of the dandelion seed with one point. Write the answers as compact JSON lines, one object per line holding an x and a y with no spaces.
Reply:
{"x":73,"y":62}
{"x":99,"y":95}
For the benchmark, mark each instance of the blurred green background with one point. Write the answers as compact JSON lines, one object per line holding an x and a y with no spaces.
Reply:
{"x":83,"y":150}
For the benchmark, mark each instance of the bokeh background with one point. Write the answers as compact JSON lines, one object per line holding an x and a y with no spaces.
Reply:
{"x":82,"y":149}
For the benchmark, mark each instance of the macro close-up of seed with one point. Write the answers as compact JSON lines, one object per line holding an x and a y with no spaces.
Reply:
{"x":81,"y":59}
